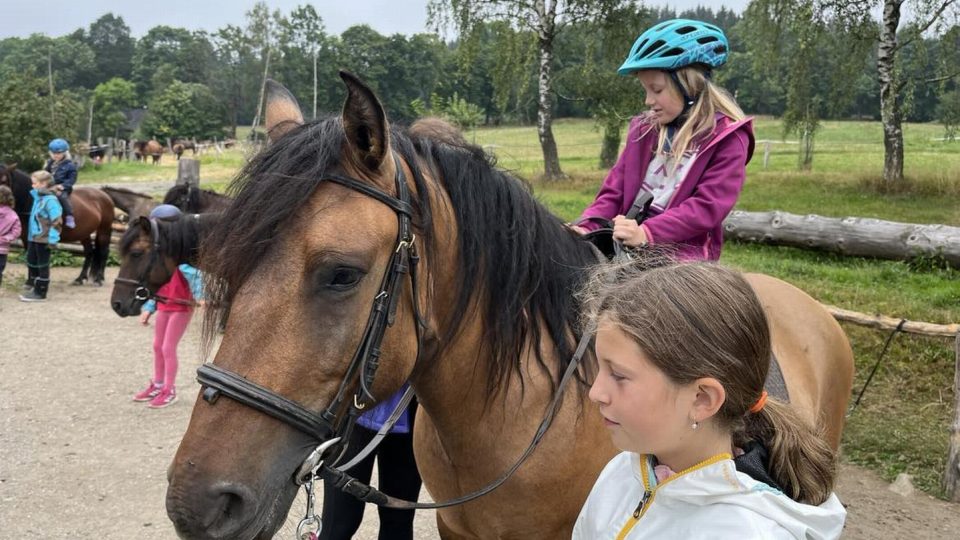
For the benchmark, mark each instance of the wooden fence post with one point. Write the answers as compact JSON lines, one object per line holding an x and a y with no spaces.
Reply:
{"x":951,"y":473}
{"x":188,"y":172}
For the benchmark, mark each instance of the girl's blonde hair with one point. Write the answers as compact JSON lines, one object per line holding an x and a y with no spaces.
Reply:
{"x":700,"y":320}
{"x":6,"y":197}
{"x":43,"y":177}
{"x":701,"y":118}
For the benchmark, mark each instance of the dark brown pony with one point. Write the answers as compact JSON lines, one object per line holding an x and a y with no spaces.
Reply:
{"x":194,"y":200}
{"x":92,"y":210}
{"x":134,"y":203}
{"x":150,"y":251}
{"x":301,"y":257}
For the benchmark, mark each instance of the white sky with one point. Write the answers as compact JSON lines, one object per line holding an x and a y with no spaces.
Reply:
{"x":56,"y":18}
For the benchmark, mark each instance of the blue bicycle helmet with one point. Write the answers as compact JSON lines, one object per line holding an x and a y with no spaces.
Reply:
{"x":166,"y":212}
{"x":58,"y":145}
{"x":675,"y":44}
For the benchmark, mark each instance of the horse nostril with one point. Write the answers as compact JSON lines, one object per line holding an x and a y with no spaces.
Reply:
{"x":117,"y":308}
{"x":233,"y":508}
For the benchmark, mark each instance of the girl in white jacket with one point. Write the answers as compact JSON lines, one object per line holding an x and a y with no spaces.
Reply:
{"x":683,"y":354}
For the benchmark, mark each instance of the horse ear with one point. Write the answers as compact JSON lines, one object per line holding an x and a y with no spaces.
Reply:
{"x":144,"y":223}
{"x":365,"y":122}
{"x":283,"y":111}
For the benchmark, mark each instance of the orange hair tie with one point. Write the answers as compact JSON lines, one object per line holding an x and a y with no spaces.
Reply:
{"x":758,"y":406}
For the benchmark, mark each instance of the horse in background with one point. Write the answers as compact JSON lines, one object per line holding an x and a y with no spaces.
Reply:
{"x":93,"y":212}
{"x":150,"y":251}
{"x":134,"y":203}
{"x":483,"y":339}
{"x":193,"y":200}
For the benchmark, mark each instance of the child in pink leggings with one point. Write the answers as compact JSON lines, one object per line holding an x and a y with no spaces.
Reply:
{"x":181,"y":294}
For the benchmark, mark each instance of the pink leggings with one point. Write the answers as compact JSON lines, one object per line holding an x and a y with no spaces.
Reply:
{"x":170,"y":326}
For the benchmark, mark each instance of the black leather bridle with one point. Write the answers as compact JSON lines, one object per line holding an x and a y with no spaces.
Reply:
{"x":332,"y":431}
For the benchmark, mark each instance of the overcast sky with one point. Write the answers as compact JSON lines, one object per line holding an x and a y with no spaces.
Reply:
{"x":56,"y":18}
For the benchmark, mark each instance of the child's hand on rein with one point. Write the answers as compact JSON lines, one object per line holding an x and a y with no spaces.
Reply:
{"x":629,"y":232}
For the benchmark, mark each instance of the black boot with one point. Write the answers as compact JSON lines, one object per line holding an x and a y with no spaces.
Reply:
{"x":39,"y":292}
{"x":28,"y":284}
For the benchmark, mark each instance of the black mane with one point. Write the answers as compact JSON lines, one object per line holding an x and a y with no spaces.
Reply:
{"x":523,"y":261}
{"x":21,"y":185}
{"x":179,"y":239}
{"x":194,"y":201}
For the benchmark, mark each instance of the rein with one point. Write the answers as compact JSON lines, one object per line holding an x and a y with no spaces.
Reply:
{"x":333,"y":431}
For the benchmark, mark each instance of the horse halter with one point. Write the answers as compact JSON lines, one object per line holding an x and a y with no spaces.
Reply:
{"x":326,"y":427}
{"x":141,"y":292}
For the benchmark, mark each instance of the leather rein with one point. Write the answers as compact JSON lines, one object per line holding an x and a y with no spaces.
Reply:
{"x":333,"y":431}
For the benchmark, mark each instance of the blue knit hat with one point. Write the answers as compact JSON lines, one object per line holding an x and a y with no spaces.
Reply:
{"x":166,"y":212}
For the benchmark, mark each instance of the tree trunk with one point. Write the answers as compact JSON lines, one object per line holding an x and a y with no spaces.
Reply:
{"x":314,"y":84}
{"x":610,"y":149}
{"x":890,"y":113}
{"x":263,"y":86}
{"x":545,"y":34}
{"x":863,"y":237}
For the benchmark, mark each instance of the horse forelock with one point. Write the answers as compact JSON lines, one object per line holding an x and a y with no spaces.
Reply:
{"x":513,"y":256}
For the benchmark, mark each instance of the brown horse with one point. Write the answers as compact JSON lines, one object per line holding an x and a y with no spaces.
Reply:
{"x":153,"y":149}
{"x":92,"y":210}
{"x":483,"y":338}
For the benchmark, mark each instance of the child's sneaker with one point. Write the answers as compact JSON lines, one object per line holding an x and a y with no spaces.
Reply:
{"x":164,"y":398}
{"x":70,"y":223}
{"x":148,"y":393}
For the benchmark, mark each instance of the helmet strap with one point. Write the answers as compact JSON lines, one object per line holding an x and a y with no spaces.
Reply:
{"x":687,"y":100}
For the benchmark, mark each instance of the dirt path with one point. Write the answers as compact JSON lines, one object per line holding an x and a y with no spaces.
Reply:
{"x":79,"y":460}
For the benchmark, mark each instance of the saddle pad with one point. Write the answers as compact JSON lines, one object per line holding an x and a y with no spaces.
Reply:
{"x":775,"y":386}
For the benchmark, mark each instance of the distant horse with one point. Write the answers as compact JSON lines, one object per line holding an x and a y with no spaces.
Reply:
{"x":134,"y":203}
{"x":92,"y":211}
{"x":335,"y":304}
{"x":153,"y":149}
{"x":194,"y":200}
{"x":150,"y":251}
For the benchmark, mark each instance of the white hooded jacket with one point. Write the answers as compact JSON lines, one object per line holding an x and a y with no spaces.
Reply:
{"x":710,"y":500}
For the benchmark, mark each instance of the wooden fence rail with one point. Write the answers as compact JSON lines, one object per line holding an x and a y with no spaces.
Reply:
{"x":951,"y":474}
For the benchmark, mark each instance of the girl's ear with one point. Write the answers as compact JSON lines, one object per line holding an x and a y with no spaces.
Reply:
{"x":710,"y":396}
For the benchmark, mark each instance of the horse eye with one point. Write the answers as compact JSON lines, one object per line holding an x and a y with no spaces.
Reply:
{"x":136,"y":254}
{"x":344,"y":279}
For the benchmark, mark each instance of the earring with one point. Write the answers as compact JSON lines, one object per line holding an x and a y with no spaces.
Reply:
{"x":695,"y":425}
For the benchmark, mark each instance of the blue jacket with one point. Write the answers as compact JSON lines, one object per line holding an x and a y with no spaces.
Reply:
{"x":376,"y":417}
{"x":194,"y":280}
{"x":64,"y":173}
{"x":45,"y":218}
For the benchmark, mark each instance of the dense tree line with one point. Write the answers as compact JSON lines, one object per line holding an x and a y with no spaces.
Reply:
{"x":784,"y":62}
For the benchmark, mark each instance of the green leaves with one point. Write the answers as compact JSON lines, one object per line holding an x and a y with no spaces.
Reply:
{"x":184,"y":110}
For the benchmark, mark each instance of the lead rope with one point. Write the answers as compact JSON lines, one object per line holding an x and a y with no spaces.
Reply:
{"x":876,"y":365}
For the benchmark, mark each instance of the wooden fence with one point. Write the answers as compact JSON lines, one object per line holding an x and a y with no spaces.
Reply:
{"x":951,"y":473}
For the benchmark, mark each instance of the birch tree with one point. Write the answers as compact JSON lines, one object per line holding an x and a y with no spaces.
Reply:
{"x":546,"y":19}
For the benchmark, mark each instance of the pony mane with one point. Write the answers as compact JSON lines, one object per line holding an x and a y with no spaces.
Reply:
{"x":179,"y":239}
{"x":21,"y":185}
{"x":516,"y":260}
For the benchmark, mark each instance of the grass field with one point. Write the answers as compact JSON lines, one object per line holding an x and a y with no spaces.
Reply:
{"x":901,"y":426}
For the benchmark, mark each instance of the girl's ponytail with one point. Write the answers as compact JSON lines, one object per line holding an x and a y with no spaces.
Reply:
{"x":801,"y":461}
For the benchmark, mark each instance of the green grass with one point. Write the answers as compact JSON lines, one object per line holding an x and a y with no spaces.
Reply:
{"x":901,"y":426}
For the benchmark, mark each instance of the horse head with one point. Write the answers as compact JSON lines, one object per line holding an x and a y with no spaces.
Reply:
{"x":314,"y":255}
{"x":144,"y":268}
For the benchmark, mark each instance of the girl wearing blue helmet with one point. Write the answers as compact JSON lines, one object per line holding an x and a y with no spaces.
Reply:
{"x":686,"y":155}
{"x":64,"y":177}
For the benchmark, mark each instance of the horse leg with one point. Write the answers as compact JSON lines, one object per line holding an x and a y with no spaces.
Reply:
{"x":446,"y":533}
{"x":87,"y":260}
{"x":102,"y":251}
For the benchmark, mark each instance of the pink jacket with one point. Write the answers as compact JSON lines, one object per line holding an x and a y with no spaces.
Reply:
{"x":693,"y":219}
{"x":9,"y":228}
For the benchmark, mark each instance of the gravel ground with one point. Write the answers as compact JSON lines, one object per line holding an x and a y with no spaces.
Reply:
{"x":79,"y":460}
